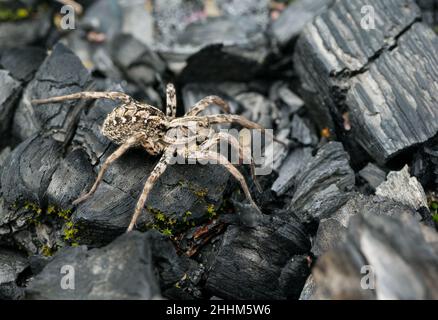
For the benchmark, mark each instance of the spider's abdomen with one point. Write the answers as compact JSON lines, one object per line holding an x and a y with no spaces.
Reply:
{"x":132,"y":119}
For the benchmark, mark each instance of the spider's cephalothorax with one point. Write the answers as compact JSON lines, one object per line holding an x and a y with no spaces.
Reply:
{"x":135,"y":124}
{"x":133,"y":118}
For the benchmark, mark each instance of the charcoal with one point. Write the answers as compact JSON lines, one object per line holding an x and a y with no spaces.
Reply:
{"x":324,"y":183}
{"x":193,"y":92}
{"x":72,"y":176}
{"x":289,"y":170}
{"x":309,"y":289}
{"x":140,"y":64}
{"x":28,"y":170}
{"x":9,"y":94}
{"x":103,"y":17}
{"x":3,"y":156}
{"x":38,"y":262}
{"x":229,"y":47}
{"x":388,"y":104}
{"x":61,"y":73}
{"x":429,"y":11}
{"x":227,"y":63}
{"x":302,"y":132}
{"x":393,"y":247}
{"x":137,"y":21}
{"x":122,"y":270}
{"x":286,"y":28}
{"x":258,"y":108}
{"x":266,"y":258}
{"x":372,"y":175}
{"x":333,"y":229}
{"x":88,"y":133}
{"x":12,"y":264}
{"x":181,"y":189}
{"x":24,"y":32}
{"x":403,"y":188}
{"x":282,"y":94}
{"x":171,"y":17}
{"x":224,"y":21}
{"x":23,"y":63}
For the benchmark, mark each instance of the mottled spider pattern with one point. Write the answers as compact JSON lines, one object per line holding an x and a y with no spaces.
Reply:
{"x":134,"y":124}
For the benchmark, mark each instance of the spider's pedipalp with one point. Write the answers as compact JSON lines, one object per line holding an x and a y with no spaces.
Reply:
{"x":171,"y":101}
{"x":150,"y":182}
{"x":113,"y":157}
{"x":89,"y":95}
{"x":206,"y":102}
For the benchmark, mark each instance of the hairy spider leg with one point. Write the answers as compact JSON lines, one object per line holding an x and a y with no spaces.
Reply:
{"x":86,"y":95}
{"x":220,"y":119}
{"x":159,"y":169}
{"x":203,"y":104}
{"x":171,"y":101}
{"x":236,"y":145}
{"x":113,"y":157}
{"x":233,"y":170}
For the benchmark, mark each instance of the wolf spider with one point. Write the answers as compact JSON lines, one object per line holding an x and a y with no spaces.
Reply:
{"x":134,"y":124}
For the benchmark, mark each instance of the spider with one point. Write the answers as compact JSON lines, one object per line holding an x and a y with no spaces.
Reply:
{"x":134,"y":124}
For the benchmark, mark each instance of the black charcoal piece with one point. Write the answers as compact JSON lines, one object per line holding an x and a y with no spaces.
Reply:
{"x":139,"y":63}
{"x":292,"y":20}
{"x":302,"y":132}
{"x":263,"y":262}
{"x":122,"y":270}
{"x":23,"y":62}
{"x":12,"y":264}
{"x":72,"y":176}
{"x":289,"y":170}
{"x":401,"y":187}
{"x":26,"y":31}
{"x":372,"y":175}
{"x":380,"y":81}
{"x":333,"y":229}
{"x":388,"y":251}
{"x":324,"y":183}
{"x":61,"y":73}
{"x":28,"y":170}
{"x":9,"y":94}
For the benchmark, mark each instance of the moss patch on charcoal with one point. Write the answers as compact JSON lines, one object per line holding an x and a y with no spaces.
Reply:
{"x":51,"y":216}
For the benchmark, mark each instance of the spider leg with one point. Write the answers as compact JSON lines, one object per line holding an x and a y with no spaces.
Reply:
{"x":113,"y":157}
{"x":222,"y":118}
{"x":236,"y":145}
{"x":236,"y":173}
{"x":86,"y":95}
{"x":171,"y":101}
{"x":153,"y":177}
{"x":207,"y":101}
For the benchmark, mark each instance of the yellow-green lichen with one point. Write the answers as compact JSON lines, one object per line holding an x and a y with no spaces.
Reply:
{"x":9,"y":14}
{"x":41,"y":216}
{"x":47,"y":251}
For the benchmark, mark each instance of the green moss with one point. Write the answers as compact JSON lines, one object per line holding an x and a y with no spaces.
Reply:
{"x":10,"y":14}
{"x":47,"y":251}
{"x":50,"y":215}
{"x":211,"y":212}
{"x":435,"y":217}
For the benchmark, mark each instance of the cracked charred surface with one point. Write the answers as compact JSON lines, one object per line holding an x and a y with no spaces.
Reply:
{"x":380,"y":82}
